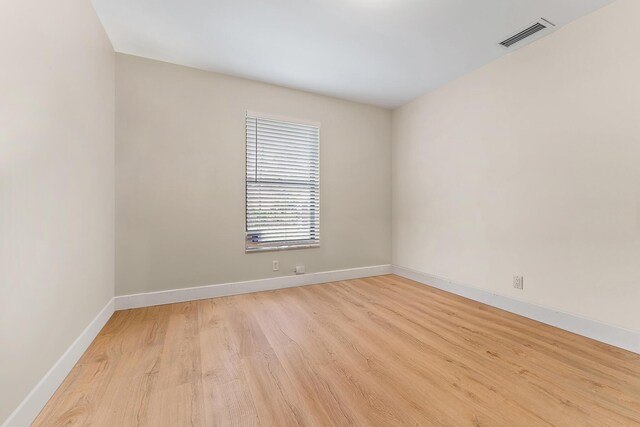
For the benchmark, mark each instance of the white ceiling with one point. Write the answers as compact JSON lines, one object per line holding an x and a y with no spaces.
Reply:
{"x":382,"y":52}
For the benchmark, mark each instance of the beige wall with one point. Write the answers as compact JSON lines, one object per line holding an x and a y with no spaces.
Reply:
{"x":180,"y":178}
{"x":56,"y":184}
{"x":531,"y":165}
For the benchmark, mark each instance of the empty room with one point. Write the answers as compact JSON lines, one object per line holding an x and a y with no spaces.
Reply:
{"x":319,"y":213}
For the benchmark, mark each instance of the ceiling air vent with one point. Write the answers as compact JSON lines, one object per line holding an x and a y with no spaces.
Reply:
{"x":527,"y":32}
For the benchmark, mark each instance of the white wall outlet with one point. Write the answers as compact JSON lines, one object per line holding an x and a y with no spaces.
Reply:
{"x":299,"y":269}
{"x":518,"y":282}
{"x":276,"y":265}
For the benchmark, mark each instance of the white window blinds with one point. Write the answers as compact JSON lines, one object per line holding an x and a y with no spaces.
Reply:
{"x":283,"y":184}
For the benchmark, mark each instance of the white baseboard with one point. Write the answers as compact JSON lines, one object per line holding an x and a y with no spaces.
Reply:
{"x":613,"y":335}
{"x":125,"y":302}
{"x":31,"y":406}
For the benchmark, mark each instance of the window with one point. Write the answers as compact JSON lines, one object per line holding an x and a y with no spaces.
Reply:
{"x":282,"y":184}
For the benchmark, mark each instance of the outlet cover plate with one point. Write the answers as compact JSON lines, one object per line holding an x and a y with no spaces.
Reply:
{"x":518,"y":282}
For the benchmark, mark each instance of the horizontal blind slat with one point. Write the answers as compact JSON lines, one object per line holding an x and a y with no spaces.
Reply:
{"x":287,"y":132}
{"x":281,"y":124}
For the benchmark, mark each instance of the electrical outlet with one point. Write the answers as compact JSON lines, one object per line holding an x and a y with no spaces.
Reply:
{"x":276,"y":265}
{"x":299,"y":269}
{"x":518,"y":282}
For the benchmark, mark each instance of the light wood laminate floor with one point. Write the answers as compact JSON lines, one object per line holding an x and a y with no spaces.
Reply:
{"x":380,"y":351}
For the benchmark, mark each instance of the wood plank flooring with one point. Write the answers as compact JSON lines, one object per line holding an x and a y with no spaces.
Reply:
{"x":381,"y":351}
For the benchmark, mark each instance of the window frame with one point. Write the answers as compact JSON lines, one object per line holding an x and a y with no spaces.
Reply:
{"x":291,"y":244}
